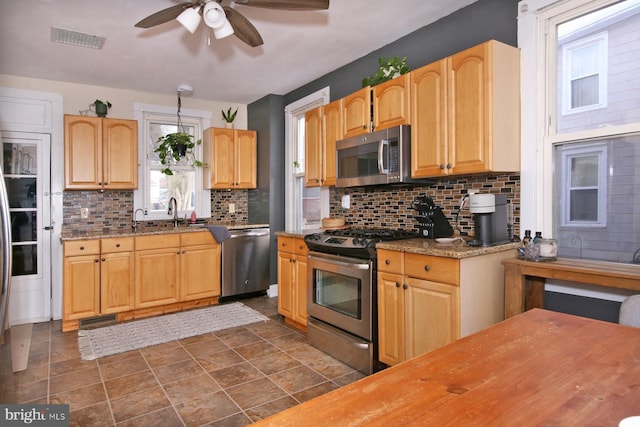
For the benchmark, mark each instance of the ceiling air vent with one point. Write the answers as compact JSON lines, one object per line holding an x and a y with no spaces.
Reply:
{"x":63,"y":35}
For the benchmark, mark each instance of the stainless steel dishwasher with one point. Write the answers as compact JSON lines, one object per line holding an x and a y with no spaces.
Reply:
{"x":245,"y":262}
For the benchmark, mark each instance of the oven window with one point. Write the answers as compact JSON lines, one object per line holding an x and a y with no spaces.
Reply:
{"x":339,"y":293}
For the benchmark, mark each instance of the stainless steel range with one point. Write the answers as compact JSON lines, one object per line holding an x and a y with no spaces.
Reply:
{"x":342,"y":295}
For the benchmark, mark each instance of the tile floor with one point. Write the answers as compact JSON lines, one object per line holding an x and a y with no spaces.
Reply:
{"x":226,"y":378}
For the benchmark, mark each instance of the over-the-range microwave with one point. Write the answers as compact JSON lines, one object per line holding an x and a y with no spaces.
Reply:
{"x":376,"y":158}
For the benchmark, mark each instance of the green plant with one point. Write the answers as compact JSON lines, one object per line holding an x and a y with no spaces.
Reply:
{"x":388,"y":68}
{"x":98,"y":102}
{"x":229,"y":117}
{"x":173,"y":147}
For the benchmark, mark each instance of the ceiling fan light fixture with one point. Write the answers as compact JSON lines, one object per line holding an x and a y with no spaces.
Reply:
{"x":225,"y":31}
{"x":190,"y":19}
{"x":213,"y":15}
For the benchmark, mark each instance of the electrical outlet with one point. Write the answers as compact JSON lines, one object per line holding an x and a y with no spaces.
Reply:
{"x":84,"y":213}
{"x":232,"y":208}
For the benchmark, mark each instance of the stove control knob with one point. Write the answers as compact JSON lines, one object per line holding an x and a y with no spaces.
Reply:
{"x":356,"y":241}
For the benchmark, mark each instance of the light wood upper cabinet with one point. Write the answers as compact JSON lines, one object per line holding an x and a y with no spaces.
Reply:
{"x":100,"y":153}
{"x":466,"y":113}
{"x":231,"y":157}
{"x":391,"y":103}
{"x":356,"y":113}
{"x":323,"y":127}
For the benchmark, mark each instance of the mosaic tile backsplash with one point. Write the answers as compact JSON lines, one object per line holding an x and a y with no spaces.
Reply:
{"x":388,"y":207}
{"x":112,"y":211}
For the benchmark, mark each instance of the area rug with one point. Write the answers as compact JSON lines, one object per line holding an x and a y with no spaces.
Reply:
{"x":100,"y":342}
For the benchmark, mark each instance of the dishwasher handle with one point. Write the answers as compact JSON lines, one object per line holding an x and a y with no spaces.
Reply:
{"x":249,"y":232}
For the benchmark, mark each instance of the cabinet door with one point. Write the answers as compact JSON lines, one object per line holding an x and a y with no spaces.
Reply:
{"x":391,"y":103}
{"x":429,"y":120}
{"x":245,"y":159}
{"x":157,"y":277}
{"x":286,"y":282}
{"x":469,"y":111}
{"x":332,"y":132}
{"x":220,"y":157}
{"x":300,"y":314}
{"x":116,"y":282}
{"x":199,"y":272}
{"x":82,"y":152}
{"x":81,"y":287}
{"x":356,"y":112}
{"x":432,"y":315}
{"x":313,"y":148}
{"x":120,"y":154}
{"x":391,"y":334}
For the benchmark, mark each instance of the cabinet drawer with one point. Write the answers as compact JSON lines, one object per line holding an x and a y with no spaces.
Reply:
{"x":157,"y":241}
{"x":82,"y":247}
{"x":287,"y":244}
{"x":300,"y":247}
{"x":116,"y":244}
{"x":197,"y":238}
{"x":433,"y":268}
{"x":390,"y":261}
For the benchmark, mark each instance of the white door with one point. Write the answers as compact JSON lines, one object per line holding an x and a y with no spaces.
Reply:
{"x":27,"y":173}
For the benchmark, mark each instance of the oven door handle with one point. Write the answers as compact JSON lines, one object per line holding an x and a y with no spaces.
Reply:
{"x":339,"y":263}
{"x":381,"y":145}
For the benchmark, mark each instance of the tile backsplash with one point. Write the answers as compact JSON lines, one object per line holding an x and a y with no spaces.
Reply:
{"x":390,"y":207}
{"x":112,"y":211}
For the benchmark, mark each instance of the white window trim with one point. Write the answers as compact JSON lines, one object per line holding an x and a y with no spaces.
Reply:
{"x":569,"y":153}
{"x":313,"y":100}
{"x":602,"y":42}
{"x":536,"y":169}
{"x":203,"y":208}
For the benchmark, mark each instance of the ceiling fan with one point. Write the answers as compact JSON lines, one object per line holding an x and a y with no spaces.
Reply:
{"x":224,"y":20}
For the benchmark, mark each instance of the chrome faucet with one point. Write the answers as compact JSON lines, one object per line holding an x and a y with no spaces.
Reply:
{"x":135,"y":222}
{"x":173,"y":209}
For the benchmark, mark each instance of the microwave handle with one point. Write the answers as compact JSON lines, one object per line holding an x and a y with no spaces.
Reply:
{"x":381,"y":145}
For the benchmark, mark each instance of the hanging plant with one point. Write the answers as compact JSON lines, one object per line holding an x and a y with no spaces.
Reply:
{"x":388,"y":68}
{"x":174,"y":147}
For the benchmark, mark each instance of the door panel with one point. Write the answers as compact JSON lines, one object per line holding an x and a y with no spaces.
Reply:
{"x":25,"y":162}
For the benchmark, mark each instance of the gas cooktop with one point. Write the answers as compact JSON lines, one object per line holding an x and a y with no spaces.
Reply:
{"x":354,"y":242}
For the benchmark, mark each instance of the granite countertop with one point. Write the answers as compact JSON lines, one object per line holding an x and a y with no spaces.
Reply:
{"x":457,"y":249}
{"x":152,"y":231}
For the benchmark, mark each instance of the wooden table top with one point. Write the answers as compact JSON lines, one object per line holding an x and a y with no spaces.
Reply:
{"x":537,"y":368}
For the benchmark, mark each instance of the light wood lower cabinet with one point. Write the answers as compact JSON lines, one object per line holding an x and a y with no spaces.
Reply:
{"x":425,"y":302}
{"x":292,"y":280}
{"x":134,"y":276}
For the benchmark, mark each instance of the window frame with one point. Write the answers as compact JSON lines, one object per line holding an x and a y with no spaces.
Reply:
{"x":601,"y":42}
{"x":146,"y":113}
{"x":294,"y":181}
{"x":567,"y":154}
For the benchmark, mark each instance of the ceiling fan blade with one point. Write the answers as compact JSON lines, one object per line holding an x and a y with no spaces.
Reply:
{"x":165,"y":15}
{"x":242,"y":28}
{"x":287,"y":4}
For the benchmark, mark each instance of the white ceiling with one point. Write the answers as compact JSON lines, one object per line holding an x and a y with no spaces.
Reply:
{"x":298,"y":46}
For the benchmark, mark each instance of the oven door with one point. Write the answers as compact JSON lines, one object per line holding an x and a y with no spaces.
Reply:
{"x":340,"y":292}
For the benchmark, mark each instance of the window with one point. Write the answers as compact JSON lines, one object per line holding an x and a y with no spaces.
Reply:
{"x":583,"y":185}
{"x":305,"y":207}
{"x":584,"y":74}
{"x":186,"y":183}
{"x":581,"y":138}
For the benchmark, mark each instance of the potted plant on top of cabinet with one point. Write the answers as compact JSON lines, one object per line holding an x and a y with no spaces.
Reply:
{"x":388,"y":68}
{"x":229,"y":117}
{"x":101,"y":107}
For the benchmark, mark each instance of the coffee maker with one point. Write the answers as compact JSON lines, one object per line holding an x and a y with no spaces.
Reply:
{"x":490,"y":217}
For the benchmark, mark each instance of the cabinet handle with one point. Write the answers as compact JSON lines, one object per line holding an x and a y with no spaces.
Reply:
{"x":387,"y":261}
{"x":427,"y":267}
{"x":397,"y":284}
{"x":449,"y":165}
{"x":178,"y":253}
{"x":117,"y":245}
{"x":82,"y":248}
{"x":441,"y":166}
{"x":405,"y":286}
{"x":96,"y":260}
{"x":103,"y":259}
{"x":183,"y":252}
